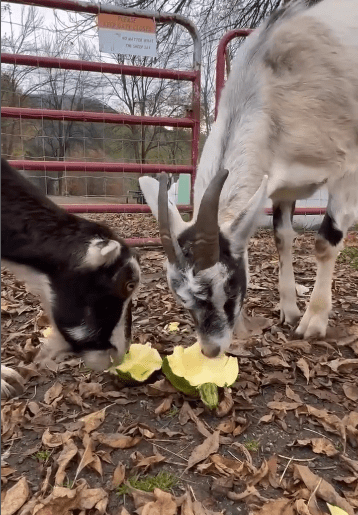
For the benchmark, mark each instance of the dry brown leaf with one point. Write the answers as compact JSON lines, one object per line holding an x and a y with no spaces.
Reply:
{"x":329,"y":422}
{"x":186,"y":507}
{"x":222,"y":485}
{"x":351,"y":464}
{"x":46,"y":482}
{"x":15,"y":497}
{"x":75,"y":398}
{"x":283,"y":405}
{"x":146,"y":463}
{"x":267,"y":418}
{"x":118,"y":475}
{"x":93,"y":420}
{"x":189,"y":507}
{"x":33,"y":407}
{"x":343,"y":366}
{"x":124,"y":511}
{"x":250,"y":492}
{"x":96,"y":464}
{"x":140,"y":498}
{"x":302,"y":508}
{"x":12,"y":416}
{"x":147,"y":433}
{"x":29,"y":507}
{"x":63,"y":501}
{"x":225,"y":405}
{"x":227,"y":426}
{"x":185,"y":414}
{"x":273,"y":478}
{"x":53,"y":393}
{"x":229,"y":467}
{"x":69,"y":451}
{"x":160,"y":388}
{"x":164,"y":406}
{"x":251,"y":326}
{"x":56,"y":439}
{"x":244,"y":451}
{"x":277,"y":507}
{"x":202,"y":451}
{"x":304,"y":367}
{"x":7,"y":471}
{"x":276,"y":361}
{"x":94,"y":498}
{"x":88,"y":389}
{"x":199,"y":509}
{"x":117,"y":440}
{"x":87,"y":456}
{"x":351,"y":391}
{"x":323,"y":489}
{"x":164,"y":504}
{"x":319,"y":446}
{"x":290,"y":394}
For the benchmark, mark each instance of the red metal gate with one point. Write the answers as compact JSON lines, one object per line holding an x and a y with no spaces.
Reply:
{"x":192,"y":119}
{"x":220,"y":82}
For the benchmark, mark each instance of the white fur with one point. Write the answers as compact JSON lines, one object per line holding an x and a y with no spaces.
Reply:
{"x":243,"y":120}
{"x":80,"y":332}
{"x":98,"y":254}
{"x":11,"y":382}
{"x":117,"y":338}
{"x":289,"y":110}
{"x":35,"y":282}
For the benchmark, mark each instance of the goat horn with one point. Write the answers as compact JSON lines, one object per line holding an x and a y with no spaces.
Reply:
{"x":206,"y":246}
{"x":163,"y":220}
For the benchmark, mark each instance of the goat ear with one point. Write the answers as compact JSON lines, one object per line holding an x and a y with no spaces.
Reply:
{"x":101,"y":252}
{"x":150,"y":190}
{"x":245,"y":224}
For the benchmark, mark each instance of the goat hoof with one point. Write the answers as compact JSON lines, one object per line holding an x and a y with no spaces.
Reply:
{"x":290,"y":317}
{"x":312,"y":327}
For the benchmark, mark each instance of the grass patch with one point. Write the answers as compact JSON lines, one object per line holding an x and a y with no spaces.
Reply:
{"x":252,"y":445}
{"x":172,"y":413}
{"x":349,"y":255}
{"x":163,"y":480}
{"x":43,"y":456}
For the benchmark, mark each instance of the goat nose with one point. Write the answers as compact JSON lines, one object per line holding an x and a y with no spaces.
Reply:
{"x":212,"y":352}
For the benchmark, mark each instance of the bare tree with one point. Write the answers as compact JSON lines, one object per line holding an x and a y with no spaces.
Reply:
{"x":16,"y":87}
{"x":65,"y":90}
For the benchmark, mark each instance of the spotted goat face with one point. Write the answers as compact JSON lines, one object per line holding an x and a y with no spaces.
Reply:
{"x":91,"y":306}
{"x":207,"y":264}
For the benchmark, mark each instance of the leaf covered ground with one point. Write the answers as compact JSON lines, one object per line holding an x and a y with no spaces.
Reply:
{"x":284,"y":439}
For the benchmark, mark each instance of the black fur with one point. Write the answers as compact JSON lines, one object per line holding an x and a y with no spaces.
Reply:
{"x":37,"y":233}
{"x":329,"y":232}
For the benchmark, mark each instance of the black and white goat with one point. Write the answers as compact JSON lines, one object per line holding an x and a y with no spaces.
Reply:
{"x":287,"y":124}
{"x":84,"y":273}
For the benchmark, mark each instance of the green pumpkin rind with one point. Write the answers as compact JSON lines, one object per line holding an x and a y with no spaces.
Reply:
{"x":209,"y":394}
{"x":179,"y":383}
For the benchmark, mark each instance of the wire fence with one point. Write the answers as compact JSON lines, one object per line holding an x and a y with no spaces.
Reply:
{"x":83,"y":124}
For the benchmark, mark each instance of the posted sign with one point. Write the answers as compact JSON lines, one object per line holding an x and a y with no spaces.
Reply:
{"x":127,"y":35}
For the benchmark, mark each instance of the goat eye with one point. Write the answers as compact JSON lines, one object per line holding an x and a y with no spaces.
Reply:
{"x":130,"y":286}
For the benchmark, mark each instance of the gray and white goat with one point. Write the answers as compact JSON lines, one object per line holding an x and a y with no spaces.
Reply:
{"x":287,"y":124}
{"x":83,"y":272}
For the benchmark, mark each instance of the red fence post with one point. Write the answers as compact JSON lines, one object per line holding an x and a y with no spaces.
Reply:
{"x":220,"y":60}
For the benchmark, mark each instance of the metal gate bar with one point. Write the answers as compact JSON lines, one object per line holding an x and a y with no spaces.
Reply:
{"x":192,"y":120}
